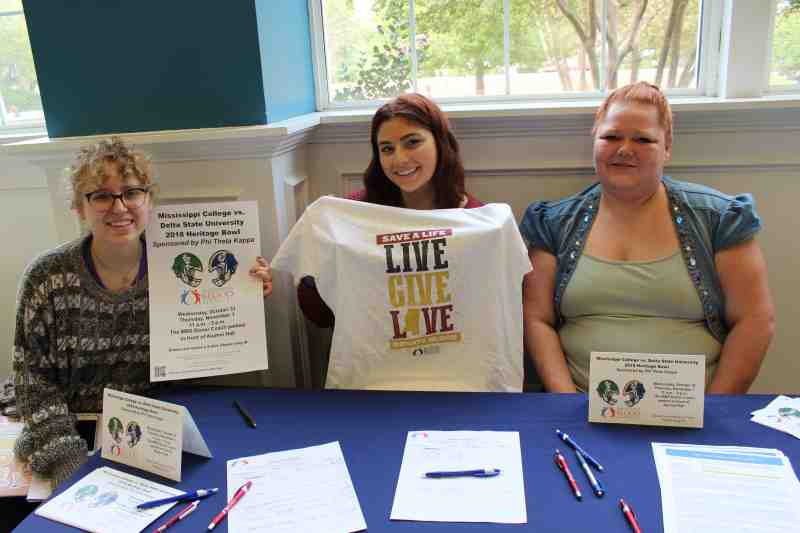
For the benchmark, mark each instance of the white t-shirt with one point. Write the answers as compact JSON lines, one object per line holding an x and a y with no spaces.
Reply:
{"x":424,"y":300}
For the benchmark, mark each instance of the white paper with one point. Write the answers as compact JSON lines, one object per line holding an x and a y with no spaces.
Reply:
{"x":308,"y":489}
{"x":40,"y":488}
{"x":463,"y":499}
{"x":105,"y":500}
{"x":206,"y":310}
{"x":782,"y":413}
{"x":15,"y":476}
{"x":647,"y":389}
{"x":149,"y":434}
{"x":726,"y":489}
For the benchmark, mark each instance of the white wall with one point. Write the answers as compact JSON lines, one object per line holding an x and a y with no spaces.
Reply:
{"x":512,"y":158}
{"x":28,"y":228}
{"x":518,"y":160}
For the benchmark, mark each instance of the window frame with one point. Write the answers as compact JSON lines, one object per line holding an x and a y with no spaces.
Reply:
{"x":20,"y":128}
{"x":715,"y":67}
{"x":709,"y":32}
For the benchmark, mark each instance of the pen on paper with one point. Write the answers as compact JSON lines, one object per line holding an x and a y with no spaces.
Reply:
{"x":597,"y":488}
{"x":245,"y":414}
{"x":575,"y":446}
{"x":480,"y":472}
{"x":186,"y":511}
{"x":627,"y":510}
{"x":185,"y":497}
{"x":240,"y":492}
{"x":564,"y":467}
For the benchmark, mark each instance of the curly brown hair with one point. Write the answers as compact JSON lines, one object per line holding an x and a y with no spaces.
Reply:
{"x":88,"y":171}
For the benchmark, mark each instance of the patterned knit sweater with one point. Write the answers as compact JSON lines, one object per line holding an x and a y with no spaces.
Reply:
{"x":73,"y":338}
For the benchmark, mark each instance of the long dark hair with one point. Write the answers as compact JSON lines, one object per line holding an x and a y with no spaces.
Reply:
{"x":448,"y":178}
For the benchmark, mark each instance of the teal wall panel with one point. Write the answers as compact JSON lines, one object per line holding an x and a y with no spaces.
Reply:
{"x":115,"y":66}
{"x":286,"y":65}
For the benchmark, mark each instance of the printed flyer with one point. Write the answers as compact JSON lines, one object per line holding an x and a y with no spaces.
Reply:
{"x":647,"y":389}
{"x":206,"y":311}
{"x":149,"y":434}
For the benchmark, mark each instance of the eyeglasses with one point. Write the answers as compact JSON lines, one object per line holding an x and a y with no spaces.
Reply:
{"x":104,"y":200}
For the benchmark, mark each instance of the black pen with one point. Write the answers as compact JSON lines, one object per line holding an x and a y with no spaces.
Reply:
{"x":245,"y":414}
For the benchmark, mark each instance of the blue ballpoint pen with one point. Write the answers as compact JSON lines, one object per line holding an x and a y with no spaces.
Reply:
{"x":574,"y":445}
{"x":593,"y":481}
{"x":480,"y":472}
{"x":186,"y":496}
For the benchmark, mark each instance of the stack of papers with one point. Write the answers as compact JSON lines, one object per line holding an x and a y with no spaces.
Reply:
{"x":782,"y":413}
{"x":726,"y":489}
{"x":15,"y":477}
{"x":19,"y":480}
{"x":40,"y":488}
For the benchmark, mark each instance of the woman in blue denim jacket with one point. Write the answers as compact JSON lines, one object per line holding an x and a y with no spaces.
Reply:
{"x":639,"y":262}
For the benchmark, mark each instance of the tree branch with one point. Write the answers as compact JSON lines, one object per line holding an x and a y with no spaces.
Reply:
{"x":633,"y":37}
{"x":594,"y":22}
{"x":675,"y":52}
{"x":573,"y":19}
{"x":584,"y":36}
{"x":662,"y":57}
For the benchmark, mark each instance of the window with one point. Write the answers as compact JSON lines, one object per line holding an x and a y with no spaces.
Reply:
{"x":507,"y":49}
{"x":20,"y":103}
{"x":785,"y":68}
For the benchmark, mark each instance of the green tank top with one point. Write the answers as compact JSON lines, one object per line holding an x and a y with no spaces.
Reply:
{"x":632,"y":306}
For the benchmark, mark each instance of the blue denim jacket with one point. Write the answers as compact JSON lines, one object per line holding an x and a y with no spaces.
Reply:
{"x":705,"y":219}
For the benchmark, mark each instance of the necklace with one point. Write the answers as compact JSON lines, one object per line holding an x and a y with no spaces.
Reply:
{"x":125,"y":278}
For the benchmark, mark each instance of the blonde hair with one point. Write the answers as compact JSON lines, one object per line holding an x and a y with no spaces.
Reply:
{"x":88,"y":172}
{"x":640,"y":92}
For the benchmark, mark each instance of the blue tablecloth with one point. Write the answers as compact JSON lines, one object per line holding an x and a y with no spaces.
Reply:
{"x":372,"y":427}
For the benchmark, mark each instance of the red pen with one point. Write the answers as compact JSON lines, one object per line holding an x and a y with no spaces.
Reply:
{"x":564,"y":467}
{"x":186,"y":511}
{"x":241,"y":491}
{"x":628,"y":512}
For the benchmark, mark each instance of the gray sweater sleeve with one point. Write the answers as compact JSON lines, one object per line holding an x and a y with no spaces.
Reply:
{"x":49,"y":441}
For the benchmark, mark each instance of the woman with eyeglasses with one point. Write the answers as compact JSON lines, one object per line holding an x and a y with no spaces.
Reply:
{"x":82,"y":310}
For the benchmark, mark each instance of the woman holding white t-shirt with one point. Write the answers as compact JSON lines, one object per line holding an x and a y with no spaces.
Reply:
{"x":415,"y":164}
{"x":409,"y":133}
